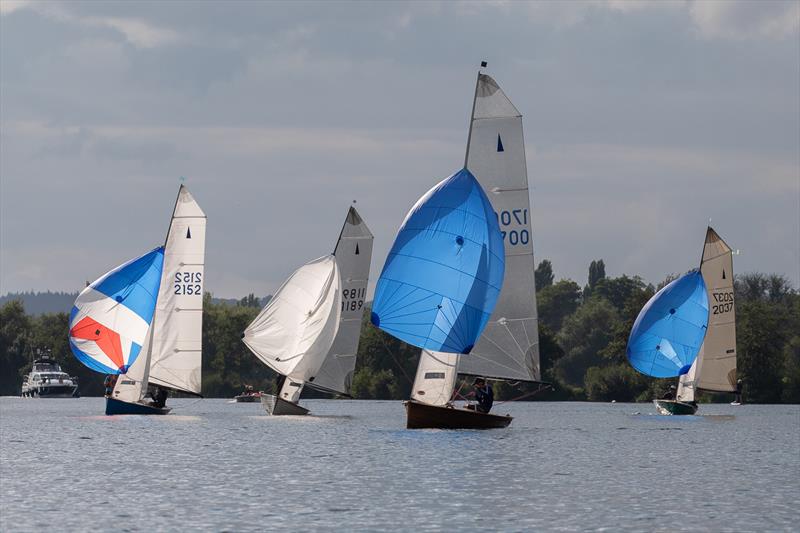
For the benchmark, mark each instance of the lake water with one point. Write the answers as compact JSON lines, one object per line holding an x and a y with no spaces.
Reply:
{"x":216,"y":465}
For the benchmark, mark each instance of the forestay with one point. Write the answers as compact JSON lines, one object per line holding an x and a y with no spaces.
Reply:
{"x":353,"y":254}
{"x":294,"y":332}
{"x":111,"y":317}
{"x":176,"y":357}
{"x":715,"y":366}
{"x":669,"y":330}
{"x":509,"y":346}
{"x":444,"y":272}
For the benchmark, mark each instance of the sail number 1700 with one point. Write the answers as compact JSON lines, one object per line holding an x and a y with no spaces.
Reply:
{"x":510,"y":218}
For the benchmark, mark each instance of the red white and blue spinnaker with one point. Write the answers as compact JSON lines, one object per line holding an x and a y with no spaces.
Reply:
{"x":111,"y":317}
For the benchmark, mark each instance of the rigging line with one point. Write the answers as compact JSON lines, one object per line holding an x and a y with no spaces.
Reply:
{"x":534,"y":393}
{"x":403,"y":370}
{"x":191,"y":404}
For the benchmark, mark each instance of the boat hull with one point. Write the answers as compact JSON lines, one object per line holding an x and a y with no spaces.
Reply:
{"x":277,"y":406}
{"x":674,"y":407}
{"x":424,"y":416}
{"x":118,"y":407}
{"x":247,"y":398}
{"x":51,"y":391}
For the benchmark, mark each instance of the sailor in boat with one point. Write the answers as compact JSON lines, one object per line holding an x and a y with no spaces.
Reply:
{"x":159,"y":396}
{"x":738,"y":399}
{"x":109,"y":383}
{"x":484,"y":396}
{"x":670,"y":394}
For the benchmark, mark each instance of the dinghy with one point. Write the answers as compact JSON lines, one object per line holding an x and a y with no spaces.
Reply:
{"x":308,"y":332}
{"x":508,"y":346}
{"x":142,"y":322}
{"x":688,"y":330}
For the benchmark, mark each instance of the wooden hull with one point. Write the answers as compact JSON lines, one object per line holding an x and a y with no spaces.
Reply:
{"x":118,"y":407}
{"x":277,"y":406}
{"x":424,"y":416}
{"x":674,"y":407}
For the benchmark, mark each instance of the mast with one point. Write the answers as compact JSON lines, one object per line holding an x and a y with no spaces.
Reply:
{"x":472,"y":113}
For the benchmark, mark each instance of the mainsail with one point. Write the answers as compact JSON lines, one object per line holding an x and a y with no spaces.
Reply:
{"x":111,"y":317}
{"x":294,"y":332}
{"x":715,"y":366}
{"x":670,"y":328}
{"x":444,"y":273}
{"x":509,"y":346}
{"x":176,"y":356}
{"x":353,"y":254}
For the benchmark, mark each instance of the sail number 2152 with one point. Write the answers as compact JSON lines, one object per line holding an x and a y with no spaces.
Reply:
{"x":188,"y":283}
{"x":511,"y":218}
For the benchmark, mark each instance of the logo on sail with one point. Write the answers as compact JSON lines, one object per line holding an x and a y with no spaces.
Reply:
{"x":106,"y":339}
{"x":500,"y":144}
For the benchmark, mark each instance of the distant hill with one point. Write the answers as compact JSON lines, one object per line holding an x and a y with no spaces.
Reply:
{"x":37,"y":303}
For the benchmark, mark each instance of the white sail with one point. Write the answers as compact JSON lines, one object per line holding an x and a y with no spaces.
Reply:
{"x":716,"y":362}
{"x":353,"y":255}
{"x":132,"y":386}
{"x":436,"y":377}
{"x":687,"y":384}
{"x":294,"y":332}
{"x":177,"y":328}
{"x":509,"y":346}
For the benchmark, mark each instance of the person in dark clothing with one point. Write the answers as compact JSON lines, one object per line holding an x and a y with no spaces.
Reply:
{"x":159,"y":397}
{"x":109,"y":383}
{"x":670,"y":394}
{"x":738,"y":398}
{"x":484,"y":395}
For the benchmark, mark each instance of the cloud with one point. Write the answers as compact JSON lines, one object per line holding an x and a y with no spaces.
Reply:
{"x":138,"y":32}
{"x":738,"y":19}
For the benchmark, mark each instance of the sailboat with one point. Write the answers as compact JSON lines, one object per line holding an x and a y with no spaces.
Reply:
{"x":688,"y":330}
{"x":309,"y":331}
{"x":507,"y":347}
{"x":142,"y":322}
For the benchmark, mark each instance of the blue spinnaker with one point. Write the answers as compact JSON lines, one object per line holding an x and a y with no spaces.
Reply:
{"x":445,"y":270}
{"x":670,"y":328}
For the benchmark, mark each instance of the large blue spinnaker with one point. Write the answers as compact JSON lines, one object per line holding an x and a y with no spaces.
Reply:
{"x":445,"y":270}
{"x":670,"y":328}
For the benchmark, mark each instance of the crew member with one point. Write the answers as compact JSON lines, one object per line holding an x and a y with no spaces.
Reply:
{"x":484,"y":395}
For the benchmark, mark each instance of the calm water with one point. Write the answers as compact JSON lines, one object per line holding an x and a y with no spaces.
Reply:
{"x":216,"y":465}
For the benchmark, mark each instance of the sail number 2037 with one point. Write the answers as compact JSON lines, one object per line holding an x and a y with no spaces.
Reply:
{"x":723,"y":302}
{"x":188,"y":283}
{"x":511,"y":218}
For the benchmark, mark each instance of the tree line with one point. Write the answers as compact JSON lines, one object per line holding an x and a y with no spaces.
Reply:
{"x":583,"y":332}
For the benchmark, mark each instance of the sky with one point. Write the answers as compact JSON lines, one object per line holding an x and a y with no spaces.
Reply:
{"x":643,"y":120}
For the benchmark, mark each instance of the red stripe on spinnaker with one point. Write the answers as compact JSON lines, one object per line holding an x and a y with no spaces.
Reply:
{"x":107,"y":339}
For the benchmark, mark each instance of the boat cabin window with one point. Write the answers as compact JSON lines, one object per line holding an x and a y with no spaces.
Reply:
{"x":434,"y":375}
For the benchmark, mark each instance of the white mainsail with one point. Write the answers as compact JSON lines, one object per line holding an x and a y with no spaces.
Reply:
{"x":714,"y":369}
{"x":176,"y":357}
{"x":294,"y":332}
{"x":353,"y":254}
{"x":173,"y":357}
{"x":509,"y":346}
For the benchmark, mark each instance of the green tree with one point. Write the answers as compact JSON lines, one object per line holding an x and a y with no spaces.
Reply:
{"x":582,"y":337}
{"x":617,"y":382}
{"x":791,"y":374}
{"x":15,"y":328}
{"x":558,"y":301}
{"x":543,"y":276}
{"x":619,"y":290}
